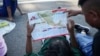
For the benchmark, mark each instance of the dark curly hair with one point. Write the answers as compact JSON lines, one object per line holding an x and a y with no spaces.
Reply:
{"x":58,"y":47}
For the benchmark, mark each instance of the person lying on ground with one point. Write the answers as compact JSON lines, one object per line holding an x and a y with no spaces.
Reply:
{"x":55,"y":46}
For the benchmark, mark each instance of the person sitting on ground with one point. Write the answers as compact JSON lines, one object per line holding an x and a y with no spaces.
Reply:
{"x":8,"y":9}
{"x":55,"y":46}
{"x":3,"y":47}
{"x":91,"y":11}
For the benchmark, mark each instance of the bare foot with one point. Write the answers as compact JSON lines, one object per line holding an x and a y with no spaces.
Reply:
{"x":10,"y":19}
{"x":23,"y":13}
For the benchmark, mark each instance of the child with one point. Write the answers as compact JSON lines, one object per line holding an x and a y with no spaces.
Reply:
{"x":56,"y":46}
{"x":91,"y":11}
{"x":8,"y":9}
{"x":3,"y":47}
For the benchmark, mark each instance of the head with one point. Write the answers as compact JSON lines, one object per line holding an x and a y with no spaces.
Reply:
{"x":58,"y":47}
{"x":91,"y":10}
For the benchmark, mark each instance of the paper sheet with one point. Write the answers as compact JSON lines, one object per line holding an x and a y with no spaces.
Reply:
{"x":7,"y":29}
{"x":48,"y":25}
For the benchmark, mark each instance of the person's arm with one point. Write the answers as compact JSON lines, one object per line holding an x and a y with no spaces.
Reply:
{"x":9,"y":13}
{"x":20,"y":10}
{"x":74,"y":12}
{"x":29,"y":40}
{"x":70,"y":27}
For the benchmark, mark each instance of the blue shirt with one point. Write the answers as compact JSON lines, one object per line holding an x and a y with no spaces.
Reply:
{"x":11,"y":3}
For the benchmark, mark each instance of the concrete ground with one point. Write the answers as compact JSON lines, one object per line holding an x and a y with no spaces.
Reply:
{"x":16,"y":40}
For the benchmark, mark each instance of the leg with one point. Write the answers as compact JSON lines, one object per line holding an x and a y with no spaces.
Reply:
{"x":0,"y":11}
{"x":3,"y":12}
{"x":84,"y":40}
{"x":85,"y":43}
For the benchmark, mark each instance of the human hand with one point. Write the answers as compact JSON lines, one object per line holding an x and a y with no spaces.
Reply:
{"x":30,"y":28}
{"x":70,"y":26}
{"x":73,"y":12}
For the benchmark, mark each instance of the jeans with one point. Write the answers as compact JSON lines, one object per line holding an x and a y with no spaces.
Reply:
{"x":85,"y":43}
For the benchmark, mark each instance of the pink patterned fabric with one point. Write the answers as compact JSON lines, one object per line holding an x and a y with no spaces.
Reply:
{"x":3,"y":47}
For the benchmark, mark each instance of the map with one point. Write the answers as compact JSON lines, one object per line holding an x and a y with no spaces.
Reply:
{"x":48,"y":24}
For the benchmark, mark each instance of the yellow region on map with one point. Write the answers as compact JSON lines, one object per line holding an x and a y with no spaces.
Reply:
{"x":47,"y":17}
{"x":3,"y":24}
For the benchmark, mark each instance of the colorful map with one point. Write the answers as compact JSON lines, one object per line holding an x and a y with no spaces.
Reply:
{"x":48,"y":24}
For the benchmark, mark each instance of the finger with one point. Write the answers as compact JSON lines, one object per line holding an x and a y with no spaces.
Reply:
{"x":72,"y":22}
{"x":65,"y":11}
{"x":33,"y":26}
{"x":69,"y":23}
{"x":68,"y":10}
{"x":67,"y":26}
{"x":29,"y":28}
{"x":69,"y":13}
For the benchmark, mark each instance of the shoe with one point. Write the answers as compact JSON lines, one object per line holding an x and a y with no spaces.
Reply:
{"x":79,"y":28}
